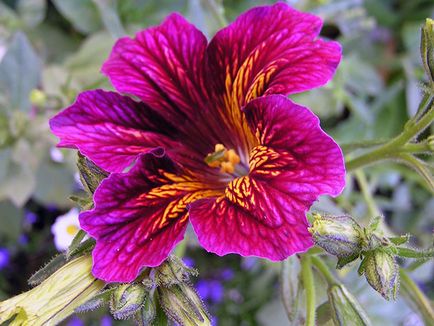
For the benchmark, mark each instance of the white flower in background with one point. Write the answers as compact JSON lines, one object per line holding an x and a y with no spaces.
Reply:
{"x":65,"y":228}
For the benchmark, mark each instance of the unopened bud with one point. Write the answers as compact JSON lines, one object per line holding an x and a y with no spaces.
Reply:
{"x":55,"y":298}
{"x":38,"y":97}
{"x":183,"y":305}
{"x":147,"y":314}
{"x":173,"y":271}
{"x":345,"y":308}
{"x":382,"y":273}
{"x":90,"y":174}
{"x":126,"y":300}
{"x":338,"y":235}
{"x":427,"y":48}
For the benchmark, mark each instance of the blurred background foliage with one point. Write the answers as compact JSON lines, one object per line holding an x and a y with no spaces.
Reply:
{"x":52,"y":50}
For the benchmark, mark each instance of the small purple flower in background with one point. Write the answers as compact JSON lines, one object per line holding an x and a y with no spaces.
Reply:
{"x":30,"y":217}
{"x":210,"y":290}
{"x":75,"y":321}
{"x":189,"y":262}
{"x":23,"y":239}
{"x":248,"y":262}
{"x":227,"y":274}
{"x":65,"y":228}
{"x":4,"y":258}
{"x":106,"y":321}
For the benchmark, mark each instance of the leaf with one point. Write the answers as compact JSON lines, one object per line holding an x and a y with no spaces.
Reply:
{"x":290,"y":287}
{"x":20,"y":72}
{"x":10,"y":221}
{"x":110,"y":17}
{"x":45,"y":272}
{"x":96,"y":302}
{"x":343,"y":261}
{"x":82,"y":14}
{"x":32,"y":12}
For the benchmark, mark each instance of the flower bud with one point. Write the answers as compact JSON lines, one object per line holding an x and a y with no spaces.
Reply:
{"x":147,"y":314}
{"x":382,"y":273}
{"x":338,"y":235}
{"x":38,"y":97}
{"x":183,"y":305}
{"x":173,"y":271}
{"x":127,"y":299}
{"x":427,"y":48}
{"x":90,"y":174}
{"x":345,"y":308}
{"x":55,"y":298}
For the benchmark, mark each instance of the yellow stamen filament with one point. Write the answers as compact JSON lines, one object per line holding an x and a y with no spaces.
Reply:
{"x":223,"y":158}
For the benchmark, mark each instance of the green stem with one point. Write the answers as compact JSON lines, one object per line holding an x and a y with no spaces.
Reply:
{"x":362,"y":144}
{"x":216,"y":12}
{"x":410,"y":253}
{"x":324,"y":270}
{"x":415,"y":296}
{"x":366,"y":192}
{"x":422,"y":147}
{"x":419,"y":167}
{"x":307,"y":277}
{"x":392,"y":148}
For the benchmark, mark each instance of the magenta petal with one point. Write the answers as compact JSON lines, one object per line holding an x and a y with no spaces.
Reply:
{"x":128,"y":220}
{"x":308,"y":162}
{"x":270,"y":49}
{"x":163,"y":66}
{"x":223,"y":228}
{"x":264,"y":213}
{"x":110,"y":129}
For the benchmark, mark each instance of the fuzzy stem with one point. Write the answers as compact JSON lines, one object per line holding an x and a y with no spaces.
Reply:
{"x":324,"y":270}
{"x":397,"y":145}
{"x":367,"y":195}
{"x":309,"y":286}
{"x":415,"y":296}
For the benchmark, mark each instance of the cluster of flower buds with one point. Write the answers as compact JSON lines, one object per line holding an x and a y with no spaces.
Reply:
{"x":344,"y":238}
{"x":159,"y":292}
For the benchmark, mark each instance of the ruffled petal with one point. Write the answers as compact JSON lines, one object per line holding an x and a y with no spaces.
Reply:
{"x":112,"y":129}
{"x":139,"y":216}
{"x":163,"y":66}
{"x":267,"y":50}
{"x":264,"y":213}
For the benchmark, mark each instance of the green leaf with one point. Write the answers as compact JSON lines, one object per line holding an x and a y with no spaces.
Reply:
{"x":96,"y":302}
{"x":20,"y":72}
{"x":110,"y":17}
{"x":10,"y":220}
{"x":45,"y":272}
{"x":81,"y":249}
{"x":343,"y":261}
{"x":82,"y":14}
{"x":32,"y":12}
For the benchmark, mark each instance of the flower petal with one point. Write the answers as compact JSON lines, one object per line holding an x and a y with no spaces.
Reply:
{"x":223,"y":228}
{"x":111,"y":129}
{"x":267,"y":50}
{"x":162,"y":65}
{"x":139,"y":216}
{"x":264,"y":213}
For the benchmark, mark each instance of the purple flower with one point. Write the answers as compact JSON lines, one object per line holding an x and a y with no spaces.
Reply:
{"x":30,"y":217}
{"x":214,"y":140}
{"x":210,"y":290}
{"x":189,"y":262}
{"x":4,"y":258}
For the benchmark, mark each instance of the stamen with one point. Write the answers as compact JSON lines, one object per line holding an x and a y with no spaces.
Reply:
{"x":226,"y":160}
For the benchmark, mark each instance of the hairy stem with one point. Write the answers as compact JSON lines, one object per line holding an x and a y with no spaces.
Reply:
{"x":307,"y":277}
{"x":415,"y":296}
{"x":324,"y":270}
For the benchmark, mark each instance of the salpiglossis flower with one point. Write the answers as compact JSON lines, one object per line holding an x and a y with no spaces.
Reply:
{"x":212,"y":140}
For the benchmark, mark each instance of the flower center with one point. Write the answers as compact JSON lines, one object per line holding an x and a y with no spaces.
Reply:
{"x":72,"y":229}
{"x":227,"y":160}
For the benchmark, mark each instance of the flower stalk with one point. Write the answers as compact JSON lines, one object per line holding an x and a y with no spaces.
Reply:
{"x":309,"y":286}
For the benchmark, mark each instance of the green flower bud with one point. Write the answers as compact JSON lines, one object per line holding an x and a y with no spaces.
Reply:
{"x":38,"y":97}
{"x":173,"y":271}
{"x":147,"y":314}
{"x":345,"y":308}
{"x":90,"y":174}
{"x":127,"y":299}
{"x":382,"y":273}
{"x":340,"y":236}
{"x":183,"y":305}
{"x":55,"y":298}
{"x":427,"y":48}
